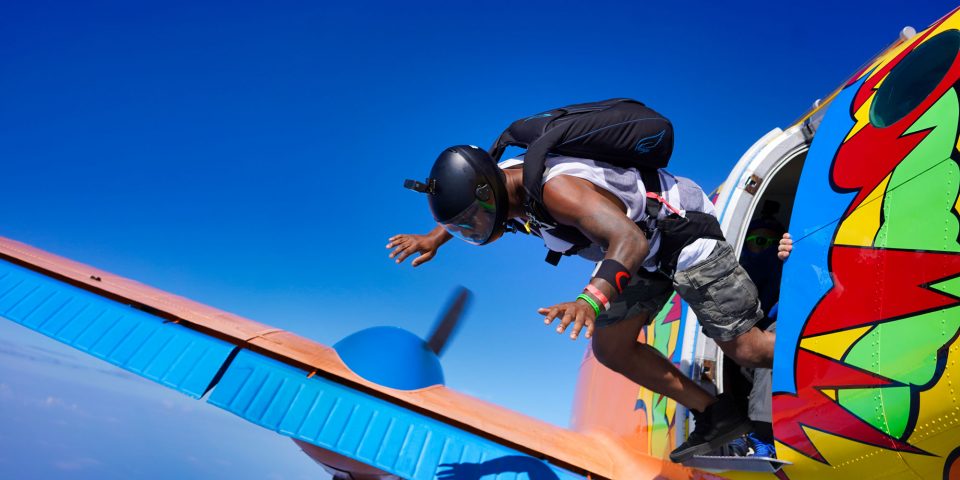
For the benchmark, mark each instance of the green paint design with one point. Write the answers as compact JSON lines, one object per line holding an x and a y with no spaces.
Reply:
{"x":917,"y":215}
{"x":903,"y":350}
{"x":657,"y":413}
{"x":661,"y":335}
{"x":871,"y":403}
{"x":907,"y":348}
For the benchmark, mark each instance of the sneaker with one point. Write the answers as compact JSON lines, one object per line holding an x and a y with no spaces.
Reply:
{"x":720,"y":423}
{"x":761,"y":448}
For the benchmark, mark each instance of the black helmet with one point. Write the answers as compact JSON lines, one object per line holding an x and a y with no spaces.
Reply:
{"x":467,"y":193}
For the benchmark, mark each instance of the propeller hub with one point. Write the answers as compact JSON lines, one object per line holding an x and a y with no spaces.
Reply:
{"x":392,"y":357}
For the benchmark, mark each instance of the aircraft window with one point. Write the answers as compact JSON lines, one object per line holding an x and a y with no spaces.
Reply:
{"x":914,"y":78}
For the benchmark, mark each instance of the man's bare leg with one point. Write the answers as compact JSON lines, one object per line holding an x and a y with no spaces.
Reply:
{"x":753,"y":349}
{"x":616,"y":347}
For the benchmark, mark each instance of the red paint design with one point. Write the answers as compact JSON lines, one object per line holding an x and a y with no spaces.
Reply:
{"x":872,"y":285}
{"x":812,"y":408}
{"x":675,"y":312}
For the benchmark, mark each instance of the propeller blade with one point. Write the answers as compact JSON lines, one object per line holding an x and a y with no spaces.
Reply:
{"x":446,"y":326}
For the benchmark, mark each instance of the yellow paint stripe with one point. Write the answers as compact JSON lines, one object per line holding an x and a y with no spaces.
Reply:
{"x":860,"y":228}
{"x":851,"y":459}
{"x":956,"y":205}
{"x":835,"y":344}
{"x":862,"y":117}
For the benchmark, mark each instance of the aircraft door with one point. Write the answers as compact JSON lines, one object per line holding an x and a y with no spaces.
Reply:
{"x":870,"y":306}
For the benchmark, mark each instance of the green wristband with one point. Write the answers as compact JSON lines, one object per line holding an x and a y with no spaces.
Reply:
{"x":592,"y":302}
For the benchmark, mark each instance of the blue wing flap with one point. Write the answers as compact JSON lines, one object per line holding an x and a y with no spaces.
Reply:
{"x":262,"y":390}
{"x":335,"y":417}
{"x":47,"y":309}
{"x":335,"y":425}
{"x":299,"y":411}
{"x":20,"y":291}
{"x":107,"y":341}
{"x":98,"y":331}
{"x":370,"y":439}
{"x":170,"y":354}
{"x":57,"y":320}
{"x":356,"y":427}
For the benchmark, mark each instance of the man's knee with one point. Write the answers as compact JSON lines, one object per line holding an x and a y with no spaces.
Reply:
{"x":612,"y":348}
{"x":753,"y":349}
{"x":747,"y":357}
{"x":607,"y":349}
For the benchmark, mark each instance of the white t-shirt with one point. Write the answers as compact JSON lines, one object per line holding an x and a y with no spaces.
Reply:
{"x":627,"y":186}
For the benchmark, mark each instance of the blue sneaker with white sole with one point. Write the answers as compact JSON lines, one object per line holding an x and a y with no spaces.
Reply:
{"x":760,"y":447}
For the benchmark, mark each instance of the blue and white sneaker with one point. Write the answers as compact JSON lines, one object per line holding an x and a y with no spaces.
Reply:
{"x":761,"y":448}
{"x":739,"y":447}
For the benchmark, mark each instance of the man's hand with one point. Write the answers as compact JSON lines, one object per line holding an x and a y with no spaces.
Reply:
{"x":786,"y":246}
{"x":580,"y":313}
{"x":408,"y":244}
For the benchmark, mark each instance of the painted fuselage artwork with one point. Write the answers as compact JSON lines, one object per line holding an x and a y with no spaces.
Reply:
{"x":866,"y":353}
{"x":868,"y":315}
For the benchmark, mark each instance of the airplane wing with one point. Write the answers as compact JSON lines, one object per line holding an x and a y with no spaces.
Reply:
{"x":290,"y":384}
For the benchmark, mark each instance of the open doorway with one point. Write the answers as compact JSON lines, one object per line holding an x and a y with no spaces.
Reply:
{"x":758,"y":256}
{"x":755,"y":210}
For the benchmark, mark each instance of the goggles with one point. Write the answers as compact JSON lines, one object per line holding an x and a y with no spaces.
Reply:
{"x":762,"y":241}
{"x":477,"y":224}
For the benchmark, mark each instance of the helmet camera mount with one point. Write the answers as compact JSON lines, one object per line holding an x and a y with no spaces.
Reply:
{"x":429,"y":188}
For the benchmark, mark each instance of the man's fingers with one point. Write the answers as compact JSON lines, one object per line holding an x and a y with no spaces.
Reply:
{"x":589,"y":334}
{"x":577,"y":324}
{"x":551,"y":313}
{"x":565,"y":321}
{"x":397,"y":251}
{"x":785,"y":247}
{"x":406,"y":252}
{"x":424,"y":257}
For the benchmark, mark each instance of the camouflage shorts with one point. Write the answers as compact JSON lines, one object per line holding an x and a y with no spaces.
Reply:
{"x":718,"y":289}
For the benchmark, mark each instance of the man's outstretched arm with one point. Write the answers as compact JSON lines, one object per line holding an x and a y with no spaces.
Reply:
{"x":426,"y":246}
{"x":601,"y":218}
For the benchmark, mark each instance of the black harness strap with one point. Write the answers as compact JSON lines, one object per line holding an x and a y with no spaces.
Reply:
{"x":677,"y":232}
{"x":553,"y":257}
{"x":651,"y":181}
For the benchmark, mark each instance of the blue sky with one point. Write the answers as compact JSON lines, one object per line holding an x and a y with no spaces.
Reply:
{"x":250,"y":155}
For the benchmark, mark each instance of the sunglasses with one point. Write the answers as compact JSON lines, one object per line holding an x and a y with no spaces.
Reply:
{"x":762,"y":241}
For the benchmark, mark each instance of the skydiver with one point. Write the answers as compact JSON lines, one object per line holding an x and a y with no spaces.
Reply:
{"x":604,"y":203}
